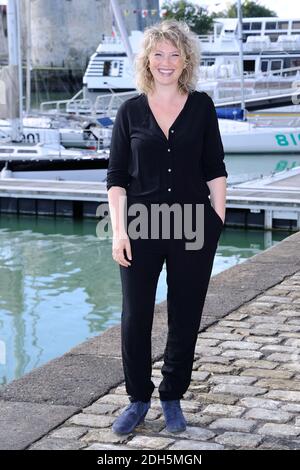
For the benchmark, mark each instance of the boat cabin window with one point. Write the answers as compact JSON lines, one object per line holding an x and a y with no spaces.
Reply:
{"x":115,"y":68}
{"x":255,"y":26}
{"x":252,"y":26}
{"x":273,"y":64}
{"x":296,"y":25}
{"x":271,"y":25}
{"x":5,"y":150}
{"x":26,"y":151}
{"x":106,"y":68}
{"x":283,"y":24}
{"x":295,"y":63}
{"x":276,"y":64}
{"x":111,"y":68}
{"x":277,"y":25}
{"x":207,"y":62}
{"x":249,"y":65}
{"x":264,"y":65}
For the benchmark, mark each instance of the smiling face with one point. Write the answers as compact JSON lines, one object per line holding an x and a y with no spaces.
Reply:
{"x":166,"y":63}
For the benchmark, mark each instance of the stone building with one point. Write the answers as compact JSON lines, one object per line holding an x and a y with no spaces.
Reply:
{"x":66,"y":32}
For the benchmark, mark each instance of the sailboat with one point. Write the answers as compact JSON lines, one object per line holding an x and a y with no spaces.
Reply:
{"x":39,"y":153}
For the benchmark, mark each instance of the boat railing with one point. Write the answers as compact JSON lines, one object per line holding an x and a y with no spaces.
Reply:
{"x":274,"y":119}
{"x":284,"y":72}
{"x":230,"y":72}
{"x":263,"y":45}
{"x":74,"y":105}
{"x":259,"y":43}
{"x":108,"y":103}
{"x":105,"y":103}
{"x":264,"y":84}
{"x":77,"y":107}
{"x":228,"y":95}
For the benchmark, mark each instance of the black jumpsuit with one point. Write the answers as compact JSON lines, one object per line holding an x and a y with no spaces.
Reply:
{"x":154,"y":169}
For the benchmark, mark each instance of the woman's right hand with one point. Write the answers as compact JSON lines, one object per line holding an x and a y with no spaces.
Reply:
{"x":120,"y":243}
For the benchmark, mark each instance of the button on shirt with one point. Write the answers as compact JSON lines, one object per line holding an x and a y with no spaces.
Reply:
{"x":153,"y":168}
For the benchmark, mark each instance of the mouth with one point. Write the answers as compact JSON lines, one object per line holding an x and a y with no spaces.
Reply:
{"x":166,"y":72}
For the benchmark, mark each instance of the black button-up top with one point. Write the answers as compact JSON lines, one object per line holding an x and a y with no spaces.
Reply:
{"x":156,"y":169}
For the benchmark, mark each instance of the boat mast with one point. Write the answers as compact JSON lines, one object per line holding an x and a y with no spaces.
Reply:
{"x":15,"y":61}
{"x":28,"y":56}
{"x":241,"y":54}
{"x":122,"y":28}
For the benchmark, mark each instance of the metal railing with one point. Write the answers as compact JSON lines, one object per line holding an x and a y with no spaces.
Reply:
{"x":61,"y":105}
{"x":274,"y":119}
{"x":106,"y":103}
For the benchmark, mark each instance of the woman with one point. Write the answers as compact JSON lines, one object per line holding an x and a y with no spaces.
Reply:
{"x":165,"y":150}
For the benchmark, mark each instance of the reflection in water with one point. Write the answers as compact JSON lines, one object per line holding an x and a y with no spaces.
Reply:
{"x":243,"y":168}
{"x":60,"y":286}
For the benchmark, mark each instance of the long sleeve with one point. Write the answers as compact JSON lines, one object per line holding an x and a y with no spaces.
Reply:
{"x":213,"y":152}
{"x":117,"y":171}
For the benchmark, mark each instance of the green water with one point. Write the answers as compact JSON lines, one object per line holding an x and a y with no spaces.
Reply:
{"x":60,"y":286}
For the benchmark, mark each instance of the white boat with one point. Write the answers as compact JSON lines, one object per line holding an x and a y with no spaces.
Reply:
{"x":28,"y":128}
{"x":269,"y":132}
{"x":240,"y":137}
{"x":45,"y":161}
{"x":111,"y":61}
{"x":88,"y":134}
{"x":271,"y":59}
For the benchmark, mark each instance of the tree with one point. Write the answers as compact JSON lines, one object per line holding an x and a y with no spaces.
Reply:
{"x":250,"y":9}
{"x":194,"y":15}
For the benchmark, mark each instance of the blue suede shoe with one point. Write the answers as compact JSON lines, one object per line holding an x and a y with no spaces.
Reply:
{"x":133,"y":415}
{"x":175,"y":421}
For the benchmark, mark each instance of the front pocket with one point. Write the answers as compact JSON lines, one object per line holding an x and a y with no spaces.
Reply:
{"x":217,"y":215}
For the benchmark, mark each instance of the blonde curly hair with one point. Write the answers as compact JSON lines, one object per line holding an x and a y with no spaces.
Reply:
{"x":180,"y":35}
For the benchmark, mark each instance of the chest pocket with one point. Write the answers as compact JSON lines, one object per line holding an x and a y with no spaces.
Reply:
{"x":146,"y":152}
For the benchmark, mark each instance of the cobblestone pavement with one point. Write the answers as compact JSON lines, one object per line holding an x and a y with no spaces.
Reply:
{"x":244,"y":394}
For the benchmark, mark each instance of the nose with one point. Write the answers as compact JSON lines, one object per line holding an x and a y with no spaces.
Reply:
{"x":166,"y":61}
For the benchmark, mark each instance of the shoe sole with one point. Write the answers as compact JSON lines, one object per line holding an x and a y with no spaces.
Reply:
{"x":175,"y":430}
{"x":141,"y":421}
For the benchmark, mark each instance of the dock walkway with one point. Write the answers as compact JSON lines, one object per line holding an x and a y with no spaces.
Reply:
{"x":272,"y":202}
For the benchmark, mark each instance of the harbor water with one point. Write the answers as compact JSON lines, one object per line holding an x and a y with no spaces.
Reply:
{"x":60,"y":285}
